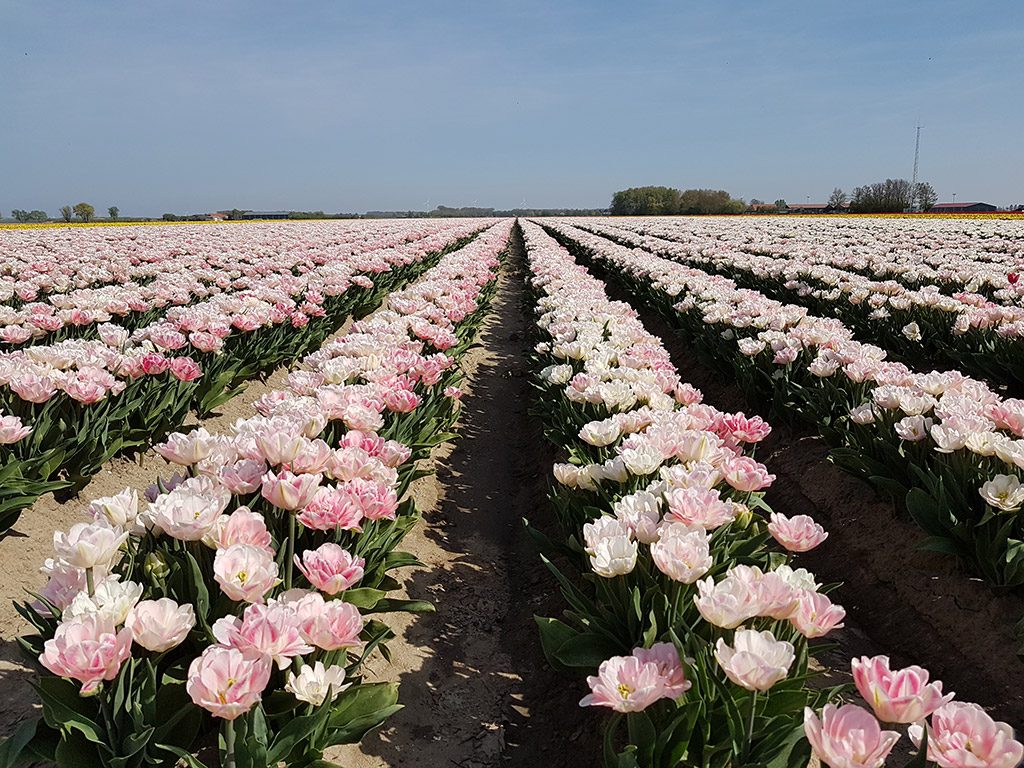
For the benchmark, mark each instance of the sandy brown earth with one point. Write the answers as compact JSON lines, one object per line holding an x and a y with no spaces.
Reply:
{"x":917,"y":607}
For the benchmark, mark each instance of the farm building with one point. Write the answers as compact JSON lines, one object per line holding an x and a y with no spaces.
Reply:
{"x":963,"y":208}
{"x":810,"y":208}
{"x":266,"y":214}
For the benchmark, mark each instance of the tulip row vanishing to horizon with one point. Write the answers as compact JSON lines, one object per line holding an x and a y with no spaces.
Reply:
{"x":231,"y":608}
{"x":68,"y":406}
{"x":222,"y":615}
{"x":947,"y":447}
{"x":683,"y":594}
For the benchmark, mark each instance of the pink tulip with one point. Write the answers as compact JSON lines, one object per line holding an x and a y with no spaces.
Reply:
{"x":698,"y":507}
{"x":227,"y":683}
{"x":328,"y":625}
{"x":331,"y":510}
{"x":185,"y":369}
{"x":33,"y":388}
{"x":683,"y":554}
{"x":271,"y":630}
{"x":191,"y":510}
{"x":746,"y":474}
{"x":330,"y":568}
{"x":12,"y":430}
{"x":756,"y":660}
{"x":159,"y":625}
{"x":88,"y":545}
{"x":243,"y":526}
{"x":897,"y":696}
{"x":625,"y":684}
{"x":280,"y":447}
{"x":963,"y":735}
{"x":244,"y":572}
{"x":798,"y":533}
{"x":242,"y":477}
{"x":186,"y":449}
{"x":88,"y":649}
{"x":670,"y":667}
{"x":289,"y":491}
{"x":816,"y":615}
{"x":848,"y":737}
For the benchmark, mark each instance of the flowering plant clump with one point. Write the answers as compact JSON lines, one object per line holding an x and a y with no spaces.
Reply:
{"x":185,"y":338}
{"x":688,"y":613}
{"x":947,"y":446}
{"x":240,"y":596}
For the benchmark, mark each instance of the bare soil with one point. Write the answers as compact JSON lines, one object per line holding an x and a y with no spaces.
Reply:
{"x":915,"y":606}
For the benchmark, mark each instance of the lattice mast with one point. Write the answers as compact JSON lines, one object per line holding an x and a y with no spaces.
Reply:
{"x":915,"y":202}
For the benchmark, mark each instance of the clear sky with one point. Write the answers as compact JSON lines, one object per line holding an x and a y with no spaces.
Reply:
{"x":349,"y":106}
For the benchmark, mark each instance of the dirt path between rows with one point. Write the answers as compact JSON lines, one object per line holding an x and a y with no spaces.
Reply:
{"x":476,"y":689}
{"x":917,"y":607}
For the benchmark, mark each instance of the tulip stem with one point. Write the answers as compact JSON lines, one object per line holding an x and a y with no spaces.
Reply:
{"x":105,"y":709}
{"x":229,"y":744}
{"x":753,"y":711}
{"x":289,"y":560}
{"x":89,"y":583}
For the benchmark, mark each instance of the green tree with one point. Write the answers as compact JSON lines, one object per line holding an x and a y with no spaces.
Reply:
{"x":781,"y":205}
{"x":36,"y":215}
{"x":169,"y":217}
{"x":837,"y":199}
{"x":66,"y":213}
{"x":113,"y":211}
{"x":926,"y":197}
{"x":84,"y":211}
{"x":19,"y":215}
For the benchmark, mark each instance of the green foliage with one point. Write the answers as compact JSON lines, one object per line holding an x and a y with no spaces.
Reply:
{"x":84,"y":211}
{"x":667,"y":201}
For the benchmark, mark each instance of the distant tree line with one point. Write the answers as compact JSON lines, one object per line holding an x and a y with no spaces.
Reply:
{"x":667,"y":201}
{"x":893,"y":196}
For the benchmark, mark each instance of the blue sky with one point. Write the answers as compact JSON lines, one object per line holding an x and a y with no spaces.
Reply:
{"x":346,"y":106}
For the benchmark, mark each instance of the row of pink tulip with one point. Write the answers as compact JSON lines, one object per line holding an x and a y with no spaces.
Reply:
{"x":57,"y":278}
{"x":946,"y":444}
{"x":954,"y":255}
{"x":241,"y":597}
{"x":125,"y":390}
{"x":922,"y":326}
{"x":259,"y":270}
{"x":687,"y":603}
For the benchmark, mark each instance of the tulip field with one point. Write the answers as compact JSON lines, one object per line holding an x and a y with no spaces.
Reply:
{"x":241,"y":607}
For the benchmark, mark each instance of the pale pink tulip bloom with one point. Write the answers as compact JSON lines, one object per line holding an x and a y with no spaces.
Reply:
{"x":330,"y":568}
{"x":963,"y":735}
{"x":683,"y":554}
{"x":329,"y":624}
{"x":816,"y":615}
{"x":88,"y":545}
{"x":269,"y":630}
{"x":897,"y":696}
{"x":625,"y":684}
{"x":798,"y":533}
{"x":848,"y":737}
{"x":89,"y":649}
{"x":243,"y":526}
{"x":244,"y":572}
{"x":159,"y":625}
{"x":670,"y":667}
{"x":289,"y":491}
{"x":227,"y":683}
{"x":756,"y":660}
